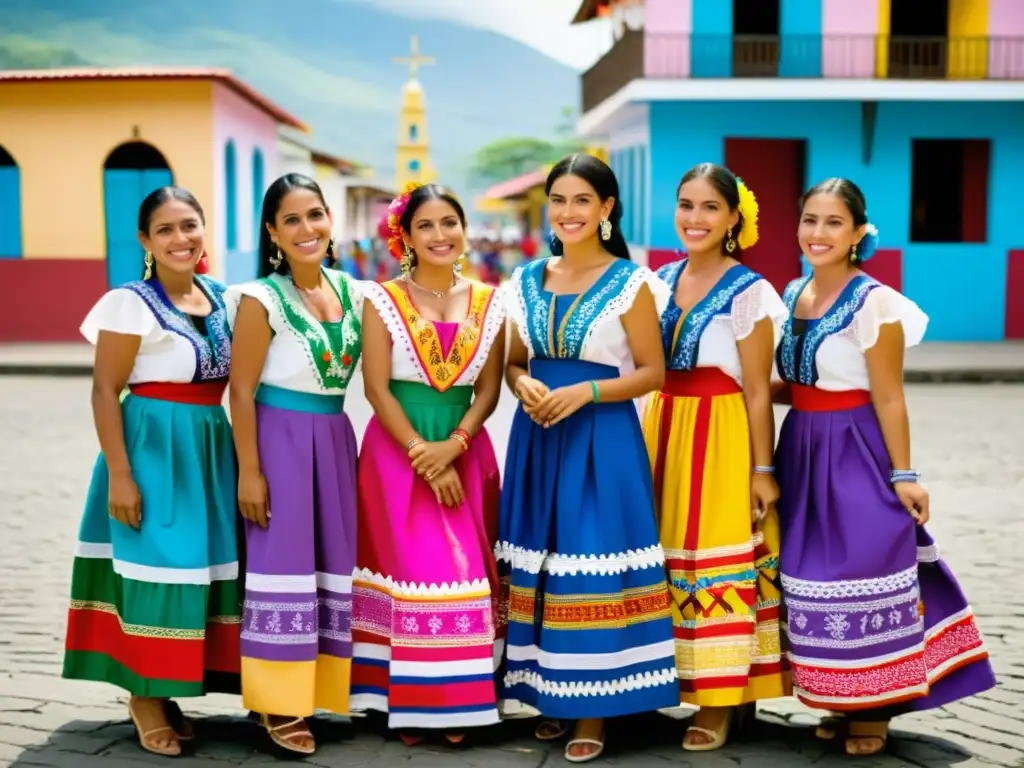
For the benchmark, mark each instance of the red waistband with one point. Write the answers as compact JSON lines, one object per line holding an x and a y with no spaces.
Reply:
{"x":813,"y":399}
{"x":201,"y":393}
{"x":700,"y":382}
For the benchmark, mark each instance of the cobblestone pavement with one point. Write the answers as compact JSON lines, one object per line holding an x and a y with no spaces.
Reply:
{"x":967,"y":438}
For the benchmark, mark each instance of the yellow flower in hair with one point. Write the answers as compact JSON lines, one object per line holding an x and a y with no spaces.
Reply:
{"x":747,"y":237}
{"x":410,"y":187}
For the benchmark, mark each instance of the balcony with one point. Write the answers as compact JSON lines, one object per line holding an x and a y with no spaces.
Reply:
{"x":660,"y":55}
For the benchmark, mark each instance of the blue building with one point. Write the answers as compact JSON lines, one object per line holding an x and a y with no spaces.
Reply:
{"x":920,"y":103}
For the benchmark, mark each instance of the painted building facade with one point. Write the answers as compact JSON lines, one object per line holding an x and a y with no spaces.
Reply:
{"x":80,"y":148}
{"x":920,"y":104}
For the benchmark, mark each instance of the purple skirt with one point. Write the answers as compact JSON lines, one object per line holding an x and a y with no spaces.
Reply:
{"x":874,"y":618}
{"x":296,"y":626}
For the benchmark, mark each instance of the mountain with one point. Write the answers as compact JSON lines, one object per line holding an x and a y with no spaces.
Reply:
{"x":327,"y":61}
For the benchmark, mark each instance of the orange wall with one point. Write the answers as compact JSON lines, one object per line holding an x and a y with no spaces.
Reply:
{"x":60,"y":134}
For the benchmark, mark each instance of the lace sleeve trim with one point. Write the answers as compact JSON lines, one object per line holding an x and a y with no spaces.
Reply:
{"x":515,"y":305}
{"x":494,"y":321}
{"x":382,"y":302}
{"x":758,"y":301}
{"x":119,"y":311}
{"x":620,"y":304}
{"x":882,"y":307}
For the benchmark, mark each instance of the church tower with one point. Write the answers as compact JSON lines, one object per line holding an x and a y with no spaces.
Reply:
{"x":413,"y":149}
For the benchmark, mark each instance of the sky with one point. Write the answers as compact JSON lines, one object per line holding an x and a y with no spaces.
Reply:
{"x":541,"y":24}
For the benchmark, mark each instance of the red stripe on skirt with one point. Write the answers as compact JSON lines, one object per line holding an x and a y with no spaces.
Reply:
{"x":430,"y":693}
{"x":223,"y":647}
{"x":155,"y":658}
{"x":813,"y":399}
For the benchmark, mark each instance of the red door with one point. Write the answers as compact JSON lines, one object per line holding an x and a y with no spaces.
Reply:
{"x":773,"y":169}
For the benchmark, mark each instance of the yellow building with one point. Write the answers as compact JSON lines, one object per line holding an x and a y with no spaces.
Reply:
{"x":80,"y":148}
{"x":412,"y":162}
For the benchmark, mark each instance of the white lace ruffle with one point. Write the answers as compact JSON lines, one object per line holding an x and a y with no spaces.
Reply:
{"x":622,"y":302}
{"x":885,"y":305}
{"x":256,"y":290}
{"x":480,"y":587}
{"x":750,"y":306}
{"x":576,"y":688}
{"x":120,"y":311}
{"x":532,"y":561}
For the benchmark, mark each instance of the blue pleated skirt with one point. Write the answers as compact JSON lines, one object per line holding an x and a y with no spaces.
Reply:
{"x":589,"y":630}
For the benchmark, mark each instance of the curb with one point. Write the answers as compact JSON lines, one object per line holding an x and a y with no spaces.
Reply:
{"x":937,"y":376}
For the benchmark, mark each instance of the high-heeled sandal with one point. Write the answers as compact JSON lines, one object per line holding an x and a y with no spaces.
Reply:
{"x":737,"y":717}
{"x":173,"y":749}
{"x":181,"y":724}
{"x":575,"y":742}
{"x":286,"y":741}
{"x":864,"y":731}
{"x":550,"y":730}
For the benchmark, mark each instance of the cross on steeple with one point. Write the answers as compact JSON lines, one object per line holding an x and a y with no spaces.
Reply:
{"x":415,"y":59}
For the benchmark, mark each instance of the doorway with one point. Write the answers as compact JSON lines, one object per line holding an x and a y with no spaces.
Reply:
{"x":918,"y":38}
{"x":755,"y":38}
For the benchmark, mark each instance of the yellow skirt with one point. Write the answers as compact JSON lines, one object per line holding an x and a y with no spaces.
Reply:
{"x":722,"y":573}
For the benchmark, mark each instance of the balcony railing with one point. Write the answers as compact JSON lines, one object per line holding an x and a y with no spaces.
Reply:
{"x":679,"y":55}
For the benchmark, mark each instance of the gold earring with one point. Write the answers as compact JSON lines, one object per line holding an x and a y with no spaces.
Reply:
{"x":407,"y":259}
{"x":606,"y":229}
{"x":275,"y":260}
{"x":853,"y":254}
{"x":730,"y":243}
{"x":149,"y":266}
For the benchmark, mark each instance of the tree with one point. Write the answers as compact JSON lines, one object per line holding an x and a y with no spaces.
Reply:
{"x":507,"y":158}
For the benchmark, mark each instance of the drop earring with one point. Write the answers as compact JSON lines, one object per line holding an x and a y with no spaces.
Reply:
{"x":407,"y":258}
{"x":606,"y":229}
{"x":853,"y":254}
{"x":730,"y":243}
{"x":276,"y":259}
{"x":149,"y":266}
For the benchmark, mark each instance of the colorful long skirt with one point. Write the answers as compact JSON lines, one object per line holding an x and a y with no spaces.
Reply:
{"x":156,"y":610}
{"x":723,"y":573}
{"x":426,"y":583}
{"x":296,"y":633}
{"x":875,"y":618}
{"x":589,"y":624}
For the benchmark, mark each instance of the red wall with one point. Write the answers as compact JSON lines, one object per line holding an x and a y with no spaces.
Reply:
{"x":975,"y":191}
{"x":47,"y":299}
{"x":886,"y":266}
{"x":1014,"y":327}
{"x":657,"y":257}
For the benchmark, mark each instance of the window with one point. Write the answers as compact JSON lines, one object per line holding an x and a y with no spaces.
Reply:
{"x":10,"y":206}
{"x":231,"y":195}
{"x":755,"y":44}
{"x":949,"y":190}
{"x":414,"y":133}
{"x":414,"y":166}
{"x":917,"y":44}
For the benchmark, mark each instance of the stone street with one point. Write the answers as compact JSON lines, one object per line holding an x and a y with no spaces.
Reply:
{"x":967,"y":440}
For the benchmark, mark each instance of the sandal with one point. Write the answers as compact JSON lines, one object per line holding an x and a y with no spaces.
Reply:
{"x":171,"y":750}
{"x":410,"y":738}
{"x":454,"y":738}
{"x":873,"y":733}
{"x":181,"y":724}
{"x":287,"y":741}
{"x":550,"y":730}
{"x":575,"y":742}
{"x":736,"y":716}
{"x":829,"y":727}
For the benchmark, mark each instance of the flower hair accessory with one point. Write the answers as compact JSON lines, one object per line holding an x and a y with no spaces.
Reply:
{"x":868,"y":244}
{"x":393,"y":220}
{"x":748,"y":208}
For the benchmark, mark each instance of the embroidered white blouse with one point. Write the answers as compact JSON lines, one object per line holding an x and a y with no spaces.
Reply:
{"x":295,"y":358}
{"x":171,"y":349}
{"x":832,"y":353}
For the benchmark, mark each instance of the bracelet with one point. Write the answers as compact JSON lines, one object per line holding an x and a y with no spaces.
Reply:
{"x":413,"y":443}
{"x":904,"y":476}
{"x":764,"y":470}
{"x":462,"y":436}
{"x":595,"y":391}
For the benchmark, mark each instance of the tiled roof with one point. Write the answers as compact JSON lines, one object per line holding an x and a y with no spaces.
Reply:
{"x":224,"y":76}
{"x":516,"y":187}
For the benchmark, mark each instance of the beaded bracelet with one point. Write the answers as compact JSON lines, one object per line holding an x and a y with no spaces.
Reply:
{"x":764,"y":470}
{"x":462,"y":436}
{"x":413,"y":443}
{"x":904,"y":476}
{"x":595,"y":391}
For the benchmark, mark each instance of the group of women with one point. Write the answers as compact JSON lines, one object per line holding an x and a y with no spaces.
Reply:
{"x":630,"y":559}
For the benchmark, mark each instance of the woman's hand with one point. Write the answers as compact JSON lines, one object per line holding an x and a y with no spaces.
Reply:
{"x":447,"y":487}
{"x":561,"y":403}
{"x":123,"y":499}
{"x":764,"y":493}
{"x":530,"y":391}
{"x":252,"y":498}
{"x":430,"y":459}
{"x":915,"y":500}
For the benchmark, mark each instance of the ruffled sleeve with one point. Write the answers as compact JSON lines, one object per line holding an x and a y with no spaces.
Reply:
{"x":356,"y":293}
{"x":661,"y":290}
{"x":256,"y":290}
{"x":756,"y":302}
{"x":885,"y":305}
{"x":120,"y":311}
{"x":515,"y":309}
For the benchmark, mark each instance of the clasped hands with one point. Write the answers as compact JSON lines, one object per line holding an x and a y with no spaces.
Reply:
{"x":546,"y":406}
{"x":433,"y":462}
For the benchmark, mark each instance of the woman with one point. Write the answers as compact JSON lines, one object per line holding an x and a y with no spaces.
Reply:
{"x":155,"y":603}
{"x":426,"y":586}
{"x":297,"y":342}
{"x":589,"y":626}
{"x":877,"y":623}
{"x":710,"y":435}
